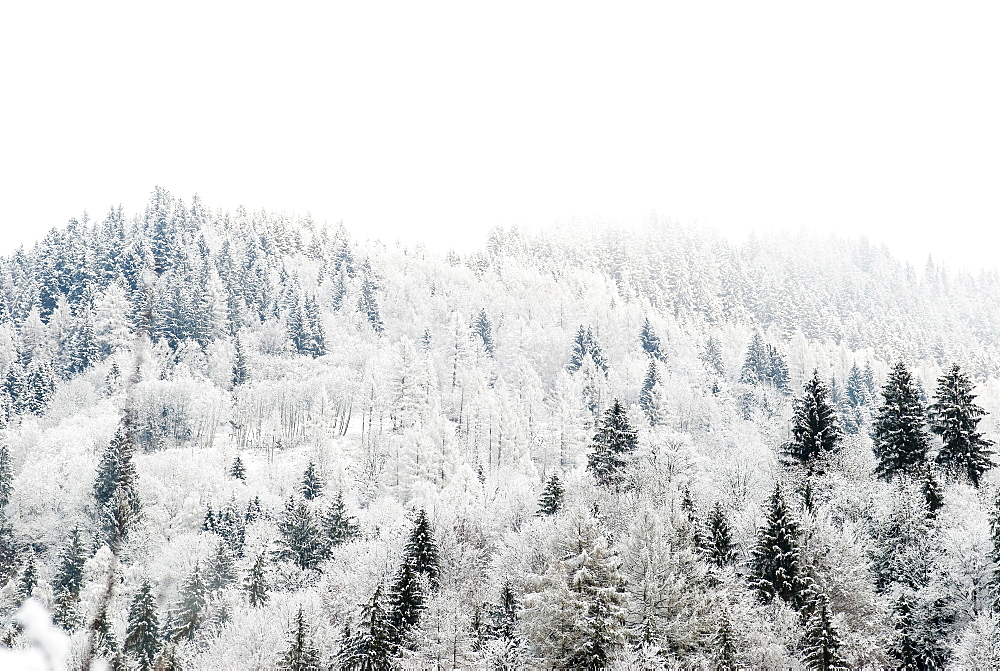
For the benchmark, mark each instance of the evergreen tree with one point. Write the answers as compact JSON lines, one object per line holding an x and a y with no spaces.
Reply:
{"x":115,"y":489}
{"x":142,"y":640}
{"x":222,"y":569}
{"x":190,"y":611}
{"x":933,"y":496}
{"x":614,"y":441}
{"x":649,"y":340}
{"x":237,"y":470}
{"x":822,"y":644}
{"x":421,"y":550}
{"x":482,"y":328}
{"x":955,"y":417}
{"x":647,"y":398}
{"x":256,"y":583}
{"x":255,"y":510}
{"x":300,"y":540}
{"x":596,"y":352}
{"x":901,"y":442}
{"x":105,"y":641}
{"x":406,"y":601}
{"x":312,"y":483}
{"x":551,"y":501}
{"x":712,"y":356}
{"x":316,"y":344}
{"x":367,"y":303}
{"x":856,"y":390}
{"x":69,"y":578}
{"x":209,"y":523}
{"x":579,"y":351}
{"x":338,"y":526}
{"x":371,"y":647}
{"x":241,"y":369}
{"x":721,"y":550}
{"x":726,"y":655}
{"x":9,"y":550}
{"x":774,"y":563}
{"x":29,"y":578}
{"x":815,"y":431}
{"x":301,"y":655}
{"x":6,"y":473}
{"x":757,"y":363}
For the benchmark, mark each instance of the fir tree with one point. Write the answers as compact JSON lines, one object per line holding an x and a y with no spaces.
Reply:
{"x":68,"y":580}
{"x":933,"y":496}
{"x":901,"y":442}
{"x":29,"y":578}
{"x":596,"y":352}
{"x":719,"y":541}
{"x":712,"y":356}
{"x":241,"y":370}
{"x":6,"y":474}
{"x":8,"y":550}
{"x":955,"y":417}
{"x":406,"y":601}
{"x":312,"y":483}
{"x":255,"y":510}
{"x":551,"y":501}
{"x":815,"y":431}
{"x":647,"y":398}
{"x":115,"y":489}
{"x":300,"y":540}
{"x":649,"y":340}
{"x":222,"y":569}
{"x":105,"y":641}
{"x":301,"y":654}
{"x":482,"y":328}
{"x":774,"y":564}
{"x":190,"y":611}
{"x":316,"y":344}
{"x":726,"y":655}
{"x":579,"y":351}
{"x":209,"y":523}
{"x":368,"y":304}
{"x":237,"y":470}
{"x":338,"y":526}
{"x":256,"y":584}
{"x":757,"y":364}
{"x":421,"y":550}
{"x":614,"y":442}
{"x":822,"y":644}
{"x":371,"y":647}
{"x":142,"y":640}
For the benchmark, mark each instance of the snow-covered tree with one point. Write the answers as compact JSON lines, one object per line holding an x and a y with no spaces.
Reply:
{"x":901,"y":441}
{"x":955,"y":417}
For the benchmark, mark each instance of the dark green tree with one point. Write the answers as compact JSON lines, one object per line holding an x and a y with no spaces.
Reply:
{"x":238,"y":470}
{"x":221,"y":571}
{"x":371,"y":646}
{"x":822,"y":644}
{"x":421,"y":551}
{"x":300,"y":540}
{"x":647,"y":398}
{"x":142,"y":638}
{"x":367,"y":302}
{"x":312,"y":483}
{"x":552,"y":497}
{"x":614,"y":441}
{"x":338,"y":526}
{"x":316,"y":343}
{"x":191,"y":611}
{"x":719,"y":538}
{"x":29,"y":578}
{"x":815,"y":430}
{"x":241,"y":369}
{"x":482,"y":328}
{"x":649,"y":340}
{"x":6,"y":473}
{"x":726,"y":655}
{"x":774,"y":563}
{"x":115,"y":489}
{"x":301,"y":654}
{"x":256,"y":583}
{"x":901,"y":441}
{"x":406,"y":601}
{"x":933,"y":496}
{"x":68,"y":580}
{"x":955,"y":416}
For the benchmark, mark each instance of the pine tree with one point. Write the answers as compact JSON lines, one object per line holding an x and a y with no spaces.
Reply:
{"x":774,"y":564}
{"x":371,"y":647}
{"x":756,"y":365}
{"x":209,"y":523}
{"x":901,"y":442}
{"x":6,"y":473}
{"x":312,"y":483}
{"x":649,"y":340}
{"x":300,"y":540}
{"x":237,"y":470}
{"x":822,"y":644}
{"x":190,"y":611}
{"x":614,"y":442}
{"x":933,"y":496}
{"x":316,"y":345}
{"x":256,"y":584}
{"x":301,"y":655}
{"x":421,"y":550}
{"x":241,"y":369}
{"x":105,"y":641}
{"x":596,"y":352}
{"x":338,"y":526}
{"x":726,"y":655}
{"x":721,"y":551}
{"x":406,"y":601}
{"x":955,"y":417}
{"x":551,"y":501}
{"x":29,"y":578}
{"x":142,"y":640}
{"x":856,"y":390}
{"x":647,"y":398}
{"x":221,"y":570}
{"x":68,"y":580}
{"x":482,"y":328}
{"x":712,"y":356}
{"x":115,"y":489}
{"x":815,"y":430}
{"x":367,"y":303}
{"x":9,"y":550}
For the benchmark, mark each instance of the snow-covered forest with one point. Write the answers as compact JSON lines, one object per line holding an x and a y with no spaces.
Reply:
{"x":244,"y":440}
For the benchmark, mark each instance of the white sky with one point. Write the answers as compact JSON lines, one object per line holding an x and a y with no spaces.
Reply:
{"x":437,"y":121}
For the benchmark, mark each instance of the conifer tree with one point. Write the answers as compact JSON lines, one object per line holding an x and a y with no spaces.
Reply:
{"x":301,"y":654}
{"x":552,"y":497}
{"x":579,"y":351}
{"x":209,"y":523}
{"x":406,"y":601}
{"x":300,"y":540}
{"x":774,"y":564}
{"x":238,"y":470}
{"x":6,"y":473}
{"x":241,"y":369}
{"x":614,"y":441}
{"x":312,"y":483}
{"x":367,"y":303}
{"x":757,"y":363}
{"x":815,"y":430}
{"x":726,"y":655}
{"x":719,"y":541}
{"x":482,"y":328}
{"x":316,"y":343}
{"x":115,"y":489}
{"x":221,"y":570}
{"x":955,"y":417}
{"x":649,"y":340}
{"x":421,"y":550}
{"x":933,"y":496}
{"x":647,"y":399}
{"x":256,"y":584}
{"x":8,"y":550}
{"x":29,"y":578}
{"x":901,"y":441}
{"x":822,"y":644}
{"x":142,"y":640}
{"x":712,"y":356}
{"x":190,"y":611}
{"x":338,"y":526}
{"x":371,"y":647}
{"x":105,"y":641}
{"x":68,"y":580}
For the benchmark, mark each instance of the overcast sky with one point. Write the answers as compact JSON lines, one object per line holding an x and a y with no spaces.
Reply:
{"x":437,"y":121}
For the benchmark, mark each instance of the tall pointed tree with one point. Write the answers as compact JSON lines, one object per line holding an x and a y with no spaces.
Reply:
{"x":300,"y":539}
{"x":116,"y":487}
{"x":649,"y":340}
{"x":822,"y":644}
{"x":552,"y":496}
{"x":901,"y":440}
{"x":256,"y":583}
{"x":614,"y":442}
{"x":719,"y":538}
{"x":191,"y":611}
{"x":301,"y":654}
{"x":312,"y":483}
{"x":338,"y":527}
{"x":647,"y":397}
{"x":421,"y":549}
{"x":815,"y":430}
{"x":371,"y":646}
{"x":69,"y":580}
{"x":774,"y":564}
{"x":955,"y":416}
{"x":142,"y":639}
{"x":6,"y":473}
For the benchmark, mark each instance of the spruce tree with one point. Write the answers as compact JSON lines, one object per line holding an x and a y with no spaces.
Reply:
{"x":815,"y":430}
{"x":209,"y":523}
{"x":142,"y":640}
{"x":115,"y":489}
{"x":756,"y":366}
{"x":29,"y":578}
{"x":579,"y":351}
{"x":371,"y":646}
{"x":68,"y":580}
{"x":649,"y":340}
{"x":367,"y":302}
{"x":312,"y":483}
{"x":237,"y":470}
{"x":338,"y":526}
{"x":406,"y":601}
{"x":822,"y":644}
{"x":190,"y":611}
{"x":726,"y":655}
{"x":316,"y":345}
{"x":301,"y":654}
{"x":421,"y":550}
{"x":241,"y":370}
{"x":614,"y":441}
{"x":552,"y":497}
{"x":712,"y":356}
{"x":6,"y":473}
{"x":300,"y":540}
{"x":901,"y":441}
{"x":719,"y":541}
{"x":933,"y":496}
{"x":256,"y":584}
{"x":221,"y":570}
{"x":647,"y":398}
{"x":482,"y":328}
{"x":774,"y":564}
{"x":955,"y":417}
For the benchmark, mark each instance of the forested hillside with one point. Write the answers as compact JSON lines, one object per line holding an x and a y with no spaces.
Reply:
{"x":246,"y":440}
